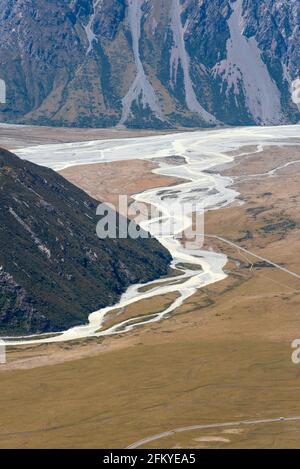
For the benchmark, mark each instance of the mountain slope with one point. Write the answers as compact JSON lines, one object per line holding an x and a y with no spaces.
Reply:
{"x":54,"y":270}
{"x":150,"y":63}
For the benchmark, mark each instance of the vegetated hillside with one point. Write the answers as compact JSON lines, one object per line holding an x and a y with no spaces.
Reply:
{"x":150,"y":63}
{"x":54,"y":270}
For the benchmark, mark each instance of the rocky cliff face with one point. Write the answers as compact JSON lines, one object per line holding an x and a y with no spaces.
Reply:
{"x":150,"y":63}
{"x":54,"y":270}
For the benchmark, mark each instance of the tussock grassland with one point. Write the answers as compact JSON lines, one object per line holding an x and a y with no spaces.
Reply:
{"x":223,"y":356}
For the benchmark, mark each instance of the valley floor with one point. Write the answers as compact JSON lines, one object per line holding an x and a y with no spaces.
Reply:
{"x":224,"y":356}
{"x":106,"y":181}
{"x":22,"y":136}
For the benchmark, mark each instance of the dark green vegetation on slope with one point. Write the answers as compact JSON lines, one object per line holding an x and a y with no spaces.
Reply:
{"x":54,"y":270}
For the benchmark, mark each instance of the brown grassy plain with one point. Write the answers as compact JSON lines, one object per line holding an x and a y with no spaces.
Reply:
{"x":223,"y":356}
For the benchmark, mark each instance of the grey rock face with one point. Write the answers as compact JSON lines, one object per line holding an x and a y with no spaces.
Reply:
{"x":150,"y":63}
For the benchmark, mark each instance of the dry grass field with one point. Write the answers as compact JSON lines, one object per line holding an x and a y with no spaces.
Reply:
{"x":106,"y":181}
{"x":224,"y":356}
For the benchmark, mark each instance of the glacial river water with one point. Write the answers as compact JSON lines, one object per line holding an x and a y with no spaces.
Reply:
{"x":200,"y":152}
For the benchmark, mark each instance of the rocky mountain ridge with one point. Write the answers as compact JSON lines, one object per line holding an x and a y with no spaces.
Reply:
{"x":150,"y":63}
{"x":54,"y":271}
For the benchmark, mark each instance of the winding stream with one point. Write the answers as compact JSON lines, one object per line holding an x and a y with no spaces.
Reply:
{"x":202,"y":151}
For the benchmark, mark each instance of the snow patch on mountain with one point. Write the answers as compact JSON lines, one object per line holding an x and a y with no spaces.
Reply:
{"x":91,"y":36}
{"x":179,"y":54}
{"x":296,"y":91}
{"x":244,"y":68}
{"x":2,"y":92}
{"x":149,"y":63}
{"x":141,"y":88}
